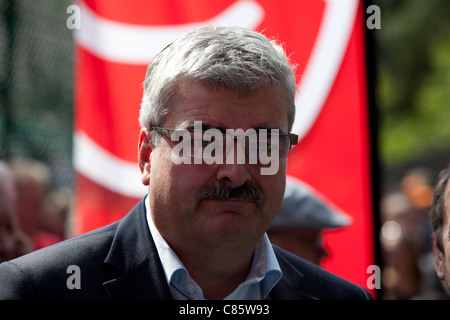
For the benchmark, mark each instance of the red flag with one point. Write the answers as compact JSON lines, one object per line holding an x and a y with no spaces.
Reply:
{"x":325,"y":38}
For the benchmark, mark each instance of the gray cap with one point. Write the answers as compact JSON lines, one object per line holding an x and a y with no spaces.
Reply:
{"x":304,"y":207}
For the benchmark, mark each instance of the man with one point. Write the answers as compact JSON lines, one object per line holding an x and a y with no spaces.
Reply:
{"x":302,"y":218}
{"x":440,"y":223}
{"x":200,"y":232}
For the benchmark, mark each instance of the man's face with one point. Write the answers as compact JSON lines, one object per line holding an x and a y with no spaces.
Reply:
{"x":185,"y":219}
{"x":442,"y":259}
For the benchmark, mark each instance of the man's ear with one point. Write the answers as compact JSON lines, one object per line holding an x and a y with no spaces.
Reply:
{"x":144,"y":151}
{"x":439,"y":260}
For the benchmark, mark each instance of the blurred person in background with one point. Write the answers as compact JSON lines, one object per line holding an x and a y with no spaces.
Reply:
{"x":440,"y":222}
{"x":59,"y":204}
{"x":32,"y":183}
{"x":13,"y":242}
{"x":301,"y":220}
{"x":406,"y":239}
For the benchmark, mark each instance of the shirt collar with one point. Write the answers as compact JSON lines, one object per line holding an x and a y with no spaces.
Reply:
{"x":265,"y":272}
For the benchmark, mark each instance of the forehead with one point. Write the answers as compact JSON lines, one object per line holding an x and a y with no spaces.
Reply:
{"x":266,"y":107}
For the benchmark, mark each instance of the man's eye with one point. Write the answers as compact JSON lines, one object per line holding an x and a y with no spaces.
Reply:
{"x":200,"y":142}
{"x":263,"y":146}
{"x":206,"y":143}
{"x":264,"y":142}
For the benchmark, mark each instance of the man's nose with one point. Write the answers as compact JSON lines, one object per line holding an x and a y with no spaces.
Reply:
{"x":235,"y":170}
{"x":234,"y":175}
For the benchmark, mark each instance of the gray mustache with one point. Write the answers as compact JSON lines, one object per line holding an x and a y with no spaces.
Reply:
{"x":247,"y":191}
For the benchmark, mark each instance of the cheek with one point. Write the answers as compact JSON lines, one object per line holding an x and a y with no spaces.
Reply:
{"x":176,"y":186}
{"x":274,"y":192}
{"x":160,"y":176}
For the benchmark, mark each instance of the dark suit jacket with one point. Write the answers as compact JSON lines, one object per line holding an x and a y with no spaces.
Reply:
{"x":120,"y":261}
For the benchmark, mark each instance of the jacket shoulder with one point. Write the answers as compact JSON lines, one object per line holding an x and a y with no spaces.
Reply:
{"x":315,"y":282}
{"x":44,"y":274}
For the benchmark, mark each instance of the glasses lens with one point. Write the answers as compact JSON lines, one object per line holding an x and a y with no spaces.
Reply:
{"x":274,"y":143}
{"x":285,"y":146}
{"x":213,"y":143}
{"x":207,"y":144}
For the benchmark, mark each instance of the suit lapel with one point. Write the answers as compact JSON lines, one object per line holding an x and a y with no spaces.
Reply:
{"x":290,"y":285}
{"x":135,"y":259}
{"x":136,"y":271}
{"x":145,"y":282}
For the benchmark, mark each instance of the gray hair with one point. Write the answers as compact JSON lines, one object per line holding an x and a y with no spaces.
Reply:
{"x":229,"y":57}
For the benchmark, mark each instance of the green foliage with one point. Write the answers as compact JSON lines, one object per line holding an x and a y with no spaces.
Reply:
{"x":413,"y":86}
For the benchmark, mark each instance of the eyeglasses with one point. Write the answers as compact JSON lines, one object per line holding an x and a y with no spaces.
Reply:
{"x":215,"y":143}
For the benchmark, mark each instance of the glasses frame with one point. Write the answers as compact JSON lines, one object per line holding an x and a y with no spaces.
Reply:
{"x":167,"y":132}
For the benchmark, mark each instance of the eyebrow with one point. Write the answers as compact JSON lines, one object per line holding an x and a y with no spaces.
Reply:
{"x":222,"y":129}
{"x":206,"y":127}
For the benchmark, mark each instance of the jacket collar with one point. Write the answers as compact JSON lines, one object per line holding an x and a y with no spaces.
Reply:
{"x":139,"y":273}
{"x":135,"y":259}
{"x":289,"y":286}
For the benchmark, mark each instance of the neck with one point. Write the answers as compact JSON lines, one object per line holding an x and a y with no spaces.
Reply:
{"x":217,"y":273}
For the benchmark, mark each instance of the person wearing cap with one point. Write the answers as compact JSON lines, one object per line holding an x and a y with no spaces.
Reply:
{"x":303,"y":216}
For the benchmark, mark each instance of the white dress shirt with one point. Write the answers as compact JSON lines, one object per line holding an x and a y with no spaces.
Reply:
{"x":264,"y":273}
